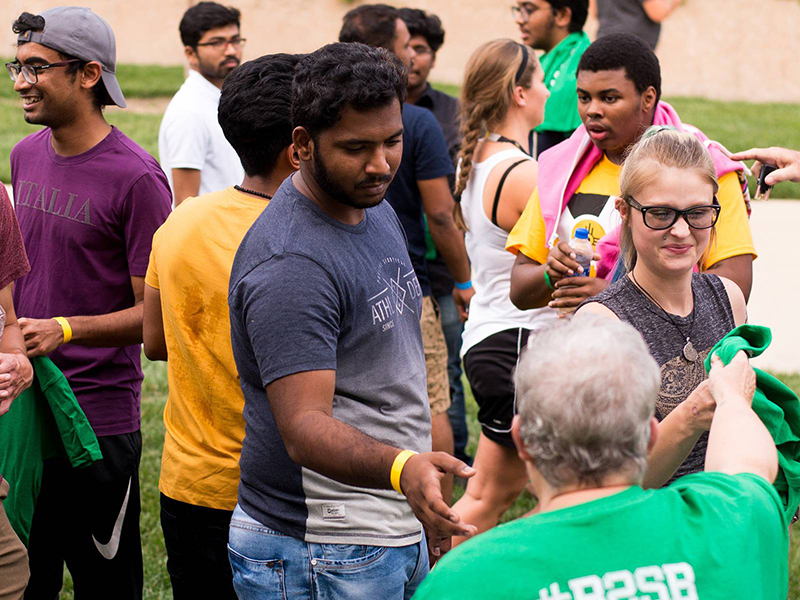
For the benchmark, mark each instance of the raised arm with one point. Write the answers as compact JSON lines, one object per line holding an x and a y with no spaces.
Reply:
{"x":738,"y":442}
{"x":677,"y":435}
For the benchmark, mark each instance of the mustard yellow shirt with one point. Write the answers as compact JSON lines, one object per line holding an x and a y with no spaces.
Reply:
{"x":190,"y":265}
{"x":592,"y":207}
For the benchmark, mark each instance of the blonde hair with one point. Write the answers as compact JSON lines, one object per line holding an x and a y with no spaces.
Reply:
{"x":489,"y":81}
{"x":660,"y":147}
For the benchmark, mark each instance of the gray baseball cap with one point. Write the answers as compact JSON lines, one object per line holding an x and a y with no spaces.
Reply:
{"x":79,"y":32}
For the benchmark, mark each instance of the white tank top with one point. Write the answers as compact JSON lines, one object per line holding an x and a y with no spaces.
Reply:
{"x":491,"y":310}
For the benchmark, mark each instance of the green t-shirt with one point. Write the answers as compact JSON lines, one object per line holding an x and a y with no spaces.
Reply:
{"x":707,"y":536}
{"x":560,"y":72}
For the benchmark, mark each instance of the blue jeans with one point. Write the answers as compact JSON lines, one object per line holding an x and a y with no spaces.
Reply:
{"x":453,"y":328}
{"x":269,"y":565}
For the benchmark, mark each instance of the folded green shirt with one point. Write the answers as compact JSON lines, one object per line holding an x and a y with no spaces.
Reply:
{"x":776,"y":405}
{"x":44,"y":421}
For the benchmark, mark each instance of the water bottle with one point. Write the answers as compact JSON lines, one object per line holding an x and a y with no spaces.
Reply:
{"x":2,"y":321}
{"x":584,"y":252}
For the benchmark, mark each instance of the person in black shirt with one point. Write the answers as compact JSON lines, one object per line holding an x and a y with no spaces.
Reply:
{"x":420,"y":191}
{"x":427,"y":36}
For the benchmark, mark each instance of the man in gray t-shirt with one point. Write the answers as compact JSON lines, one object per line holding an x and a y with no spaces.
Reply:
{"x":325,"y":311}
{"x":640,"y":17}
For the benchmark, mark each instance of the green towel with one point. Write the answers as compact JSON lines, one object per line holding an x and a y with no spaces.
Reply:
{"x":44,"y":421}
{"x":776,"y":405}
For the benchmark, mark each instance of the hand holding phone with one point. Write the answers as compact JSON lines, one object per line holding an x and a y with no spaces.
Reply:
{"x":762,"y":189}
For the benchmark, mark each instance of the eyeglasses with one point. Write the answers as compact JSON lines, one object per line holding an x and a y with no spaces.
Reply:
{"x":31,"y":72}
{"x":220,"y":43}
{"x":525,"y":11}
{"x":421,"y":50}
{"x":663,"y":217}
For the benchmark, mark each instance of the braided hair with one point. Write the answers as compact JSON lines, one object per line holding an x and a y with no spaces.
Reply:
{"x":491,"y":75}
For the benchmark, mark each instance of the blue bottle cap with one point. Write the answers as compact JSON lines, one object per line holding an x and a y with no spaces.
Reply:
{"x":582,"y":233}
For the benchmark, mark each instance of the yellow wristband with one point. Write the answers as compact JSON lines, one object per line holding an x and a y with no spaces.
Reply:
{"x":65,"y":327}
{"x":397,"y":468}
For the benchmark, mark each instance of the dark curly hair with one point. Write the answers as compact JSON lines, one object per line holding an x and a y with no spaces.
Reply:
{"x":254,"y":110}
{"x":204,"y":16}
{"x":579,"y":8}
{"x":624,"y":51}
{"x":371,"y":24}
{"x":340,"y":75}
{"x":427,"y":25}
{"x":30,"y":22}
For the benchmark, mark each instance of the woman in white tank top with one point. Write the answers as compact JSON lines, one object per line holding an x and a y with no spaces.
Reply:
{"x":503,"y":98}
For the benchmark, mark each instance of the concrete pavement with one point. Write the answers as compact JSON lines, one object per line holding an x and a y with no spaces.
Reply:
{"x":775,"y":299}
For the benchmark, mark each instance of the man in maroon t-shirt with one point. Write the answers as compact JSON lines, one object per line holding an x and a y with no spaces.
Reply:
{"x":16,"y":375}
{"x":88,"y":201}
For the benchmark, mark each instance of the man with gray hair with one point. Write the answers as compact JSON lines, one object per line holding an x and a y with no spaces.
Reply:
{"x":586,"y":392}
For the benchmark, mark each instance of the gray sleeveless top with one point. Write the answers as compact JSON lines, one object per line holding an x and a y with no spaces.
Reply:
{"x":713,"y":319}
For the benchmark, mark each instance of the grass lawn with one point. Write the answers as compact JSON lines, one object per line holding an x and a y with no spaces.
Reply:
{"x":154,"y":394}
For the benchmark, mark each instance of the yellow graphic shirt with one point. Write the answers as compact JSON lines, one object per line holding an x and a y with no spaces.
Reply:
{"x":592,"y":207}
{"x":190,"y":265}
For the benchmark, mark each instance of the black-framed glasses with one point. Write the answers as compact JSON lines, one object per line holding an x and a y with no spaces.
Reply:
{"x":703,"y":216}
{"x":220,"y":43}
{"x":525,"y":11}
{"x":31,"y":72}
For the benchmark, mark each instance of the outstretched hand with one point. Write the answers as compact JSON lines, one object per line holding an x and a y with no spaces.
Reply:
{"x":787,"y":161}
{"x":421,"y":482}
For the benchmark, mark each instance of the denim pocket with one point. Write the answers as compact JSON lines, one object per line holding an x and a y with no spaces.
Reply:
{"x":257,"y":579}
{"x":355,"y":572}
{"x":344,"y":556}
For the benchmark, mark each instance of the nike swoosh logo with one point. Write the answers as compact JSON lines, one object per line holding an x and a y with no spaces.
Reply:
{"x":109,"y":549}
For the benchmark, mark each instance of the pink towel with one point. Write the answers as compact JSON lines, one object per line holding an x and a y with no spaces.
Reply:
{"x":563,"y":168}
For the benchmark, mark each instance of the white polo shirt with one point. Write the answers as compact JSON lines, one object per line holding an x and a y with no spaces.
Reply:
{"x":190,"y":137}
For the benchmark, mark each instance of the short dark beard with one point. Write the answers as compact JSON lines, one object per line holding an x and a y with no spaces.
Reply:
{"x":334,"y":189}
{"x":215,"y":72}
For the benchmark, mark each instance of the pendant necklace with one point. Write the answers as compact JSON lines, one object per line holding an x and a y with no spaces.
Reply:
{"x":689,"y":352}
{"x":255,"y":193}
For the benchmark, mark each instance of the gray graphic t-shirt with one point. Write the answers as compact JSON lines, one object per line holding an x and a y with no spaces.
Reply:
{"x":308,"y":292}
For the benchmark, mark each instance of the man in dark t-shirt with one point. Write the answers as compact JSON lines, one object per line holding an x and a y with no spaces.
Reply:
{"x":329,"y":467}
{"x":421,"y":188}
{"x":88,"y":201}
{"x":640,"y":17}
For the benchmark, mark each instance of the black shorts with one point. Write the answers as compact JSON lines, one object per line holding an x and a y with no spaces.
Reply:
{"x":89,"y":518}
{"x":489,"y":366}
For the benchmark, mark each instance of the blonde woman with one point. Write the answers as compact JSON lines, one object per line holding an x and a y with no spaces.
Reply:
{"x":669,"y":208}
{"x":502,"y":99}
